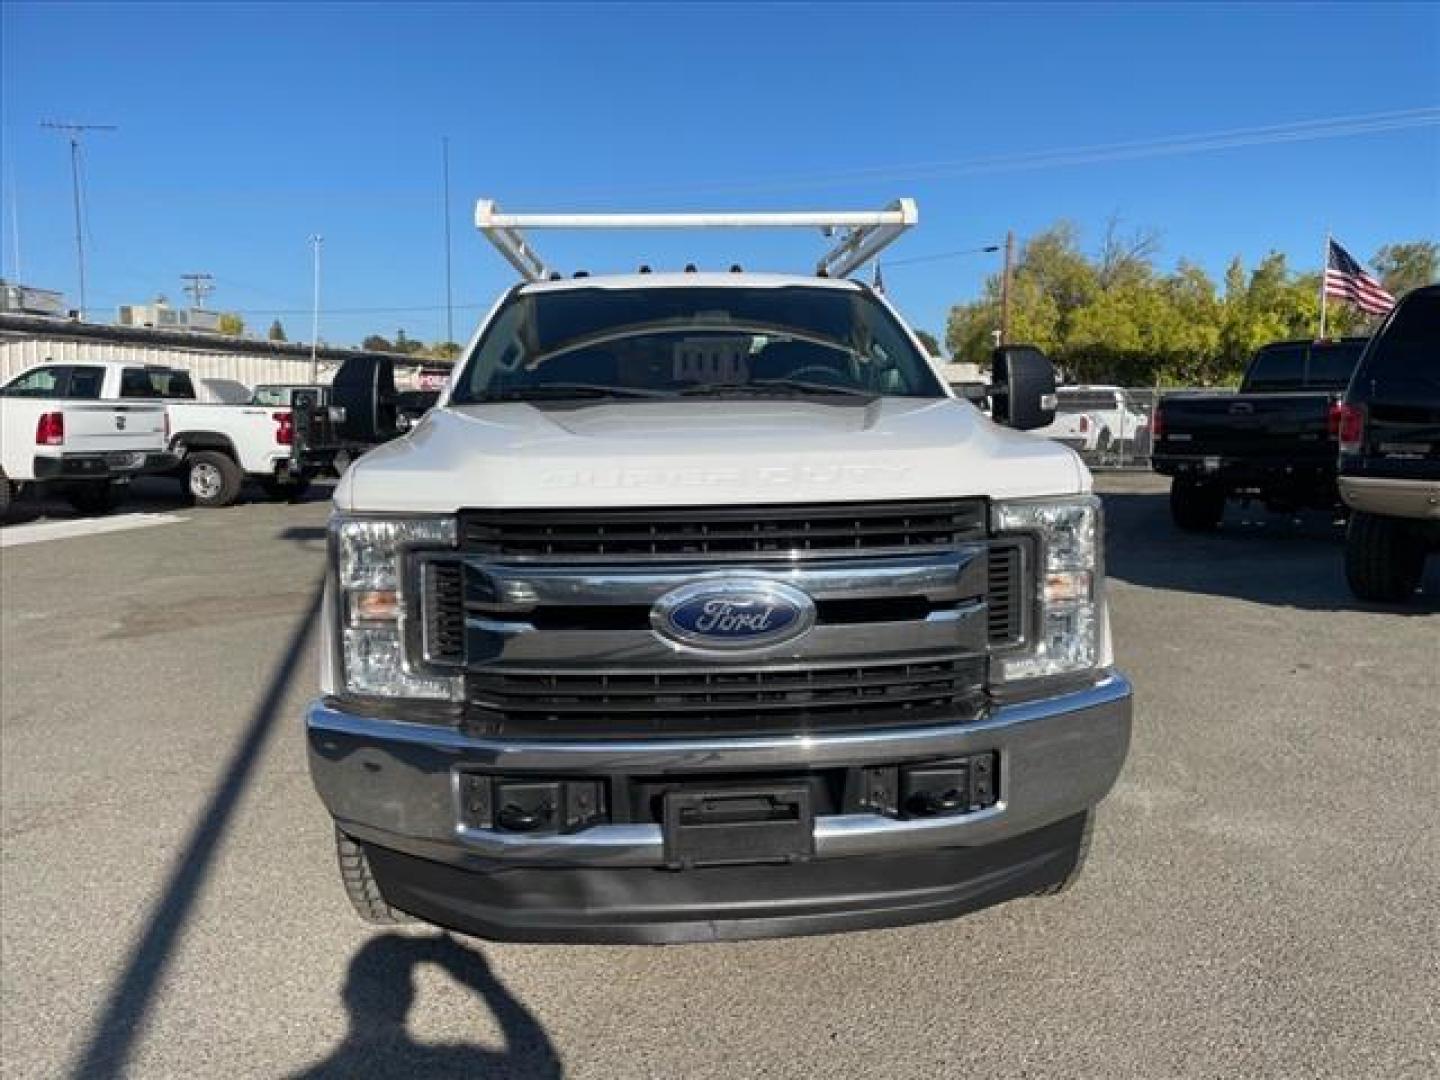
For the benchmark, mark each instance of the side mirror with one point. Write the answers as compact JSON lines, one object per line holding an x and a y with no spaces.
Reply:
{"x":1023,"y":393}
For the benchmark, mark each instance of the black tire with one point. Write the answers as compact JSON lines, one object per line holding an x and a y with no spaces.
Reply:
{"x":360,"y":885}
{"x":1082,"y":853}
{"x":1384,"y":557}
{"x":94,"y":499}
{"x":212,"y":478}
{"x":1196,"y":506}
{"x":7,"y":496}
{"x":277,"y":490}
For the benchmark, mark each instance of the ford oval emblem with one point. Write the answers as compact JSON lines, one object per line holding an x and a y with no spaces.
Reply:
{"x":733,"y":613}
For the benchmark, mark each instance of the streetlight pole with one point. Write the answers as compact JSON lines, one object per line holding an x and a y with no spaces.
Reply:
{"x":449,"y":296}
{"x":1005,"y":287}
{"x":315,"y":241}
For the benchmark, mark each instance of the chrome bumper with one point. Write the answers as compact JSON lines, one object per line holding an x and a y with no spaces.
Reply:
{"x":396,"y":784}
{"x":1419,"y":499}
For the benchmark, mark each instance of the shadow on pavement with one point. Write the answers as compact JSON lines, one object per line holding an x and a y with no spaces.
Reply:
{"x":1288,"y":561}
{"x":122,"y":1019}
{"x":151,"y":495}
{"x":379,"y":994}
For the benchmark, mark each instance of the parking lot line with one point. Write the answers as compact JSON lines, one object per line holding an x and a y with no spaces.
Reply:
{"x":66,"y":530}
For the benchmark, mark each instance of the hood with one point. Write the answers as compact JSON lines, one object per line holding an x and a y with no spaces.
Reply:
{"x":676,"y":453}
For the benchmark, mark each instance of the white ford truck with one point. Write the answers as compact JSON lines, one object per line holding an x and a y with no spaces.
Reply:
{"x":700,"y":609}
{"x":215,"y":446}
{"x":55,"y":437}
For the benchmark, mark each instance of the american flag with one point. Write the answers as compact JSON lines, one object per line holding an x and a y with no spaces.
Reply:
{"x":1347,"y":279}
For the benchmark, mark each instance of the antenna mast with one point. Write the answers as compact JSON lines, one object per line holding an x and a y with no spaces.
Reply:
{"x":73,"y":132}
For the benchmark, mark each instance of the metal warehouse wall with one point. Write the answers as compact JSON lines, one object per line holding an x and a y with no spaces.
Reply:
{"x":219,"y":376}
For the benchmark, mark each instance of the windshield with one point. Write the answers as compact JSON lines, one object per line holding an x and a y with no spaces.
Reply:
{"x":1298,"y":366}
{"x":156,"y":383}
{"x":271,"y":395}
{"x":1409,"y":348}
{"x":694,"y":342}
{"x":1082,"y":401}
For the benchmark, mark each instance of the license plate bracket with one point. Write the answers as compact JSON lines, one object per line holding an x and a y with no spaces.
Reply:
{"x":736,"y":826}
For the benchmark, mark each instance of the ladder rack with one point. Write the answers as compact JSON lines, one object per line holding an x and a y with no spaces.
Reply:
{"x":863,"y":233}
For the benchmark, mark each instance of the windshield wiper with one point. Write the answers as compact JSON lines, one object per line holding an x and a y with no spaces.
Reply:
{"x":564,"y":391}
{"x":770,"y":387}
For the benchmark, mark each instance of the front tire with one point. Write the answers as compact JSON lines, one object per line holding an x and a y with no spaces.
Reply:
{"x":213,"y":479}
{"x":1384,"y":557}
{"x":360,"y":885}
{"x":1196,"y":506}
{"x":94,"y":499}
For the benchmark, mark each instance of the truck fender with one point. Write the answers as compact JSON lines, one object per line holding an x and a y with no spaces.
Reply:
{"x":184,"y":442}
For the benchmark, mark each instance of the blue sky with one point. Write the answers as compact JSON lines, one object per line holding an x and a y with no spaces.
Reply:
{"x":245,"y":128}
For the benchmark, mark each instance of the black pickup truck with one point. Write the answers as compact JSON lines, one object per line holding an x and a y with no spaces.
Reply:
{"x":1390,"y":452}
{"x":1275,"y":441}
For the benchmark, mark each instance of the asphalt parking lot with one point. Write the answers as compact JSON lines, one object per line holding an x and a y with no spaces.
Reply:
{"x":1260,"y":902}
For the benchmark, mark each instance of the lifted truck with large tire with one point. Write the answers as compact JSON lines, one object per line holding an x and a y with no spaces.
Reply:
{"x":699,"y":608}
{"x":1390,"y":452}
{"x":1273,"y":442}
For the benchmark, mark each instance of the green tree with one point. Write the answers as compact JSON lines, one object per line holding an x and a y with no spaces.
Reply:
{"x":277,"y":332}
{"x":445,"y":350}
{"x":376,"y":343}
{"x":230,"y":323}
{"x":407,"y":345}
{"x":1403,"y":267}
{"x":931,"y":343}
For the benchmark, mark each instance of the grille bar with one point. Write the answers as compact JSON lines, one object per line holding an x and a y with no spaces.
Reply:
{"x":1006,"y":594}
{"x":691,"y":532}
{"x":445,"y":612}
{"x":757,"y":700}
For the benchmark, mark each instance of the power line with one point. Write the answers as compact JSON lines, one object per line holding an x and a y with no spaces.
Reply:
{"x":1330,"y":127}
{"x":988,"y":249}
{"x":199,"y":286}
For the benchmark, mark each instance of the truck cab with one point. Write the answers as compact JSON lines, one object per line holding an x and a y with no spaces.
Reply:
{"x":699,"y":608}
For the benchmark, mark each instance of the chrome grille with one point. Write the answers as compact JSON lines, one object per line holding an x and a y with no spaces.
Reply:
{"x":445,"y":612}
{"x":619,"y":703}
{"x":1005,"y":594}
{"x":825,"y":529}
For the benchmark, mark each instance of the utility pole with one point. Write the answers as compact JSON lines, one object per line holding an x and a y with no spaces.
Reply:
{"x":199,"y":286}
{"x":73,"y":133}
{"x":1005,"y":287}
{"x":315,"y":241}
{"x":449,"y":298}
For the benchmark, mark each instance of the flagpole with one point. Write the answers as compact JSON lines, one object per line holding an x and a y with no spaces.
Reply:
{"x":1324,"y":266}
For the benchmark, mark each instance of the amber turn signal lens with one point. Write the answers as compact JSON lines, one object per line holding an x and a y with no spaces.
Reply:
{"x":375,"y":604}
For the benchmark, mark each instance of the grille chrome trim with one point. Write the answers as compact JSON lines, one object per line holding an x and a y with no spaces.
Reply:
{"x":758,"y":532}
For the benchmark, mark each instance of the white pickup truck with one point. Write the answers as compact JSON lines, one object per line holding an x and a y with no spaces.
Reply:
{"x":699,"y":608}
{"x":53,"y":440}
{"x":216,"y":446}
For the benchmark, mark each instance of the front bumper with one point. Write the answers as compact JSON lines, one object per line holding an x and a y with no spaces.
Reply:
{"x":395,"y":788}
{"x":1405,"y":498}
{"x":114,"y":465}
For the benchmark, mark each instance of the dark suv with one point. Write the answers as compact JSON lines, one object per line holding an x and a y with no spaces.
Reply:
{"x":1390,"y":452}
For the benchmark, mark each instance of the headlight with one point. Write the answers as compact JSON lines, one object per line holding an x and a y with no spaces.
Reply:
{"x":375,"y":611}
{"x":1066,"y":638}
